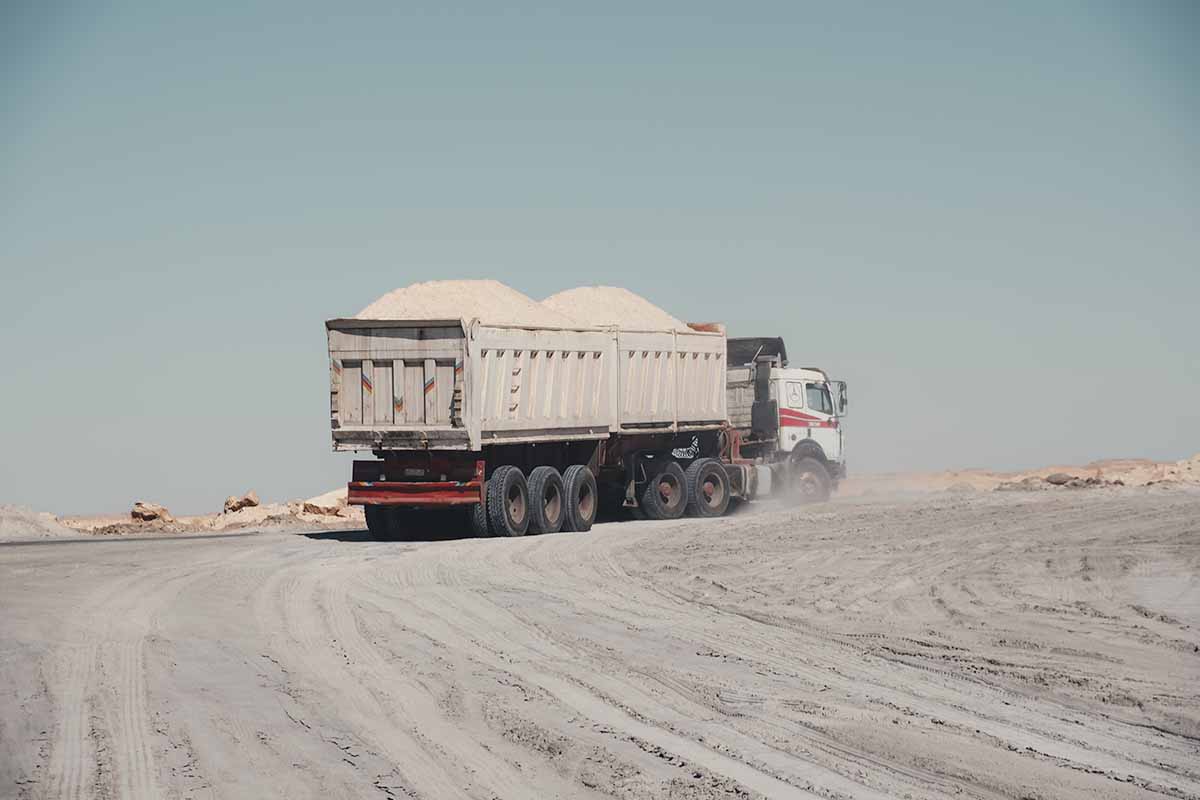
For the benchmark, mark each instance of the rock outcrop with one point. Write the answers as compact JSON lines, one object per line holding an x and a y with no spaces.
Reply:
{"x":330,"y":504}
{"x":150,"y":512}
{"x":234,"y":503}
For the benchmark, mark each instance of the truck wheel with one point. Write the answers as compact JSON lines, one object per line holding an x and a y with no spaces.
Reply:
{"x":388,"y":523}
{"x":707,"y":488}
{"x":546,"y":506}
{"x":665,"y":495}
{"x":581,"y":498}
{"x":479,"y":521}
{"x":377,"y":522}
{"x":508,"y":502}
{"x":810,"y":481}
{"x":402,"y":523}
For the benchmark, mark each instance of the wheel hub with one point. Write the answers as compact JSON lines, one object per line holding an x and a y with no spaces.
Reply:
{"x":516,"y":506}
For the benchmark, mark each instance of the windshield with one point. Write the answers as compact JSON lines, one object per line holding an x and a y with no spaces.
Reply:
{"x":819,"y":399}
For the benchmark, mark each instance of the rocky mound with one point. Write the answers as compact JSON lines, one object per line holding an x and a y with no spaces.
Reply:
{"x":22,"y":523}
{"x":1097,"y":474}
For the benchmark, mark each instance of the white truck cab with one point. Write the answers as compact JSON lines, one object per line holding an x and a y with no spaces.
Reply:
{"x":789,"y":420}
{"x":808,"y":405}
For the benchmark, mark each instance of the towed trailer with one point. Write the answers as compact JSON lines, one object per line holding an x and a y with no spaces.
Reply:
{"x":530,"y":429}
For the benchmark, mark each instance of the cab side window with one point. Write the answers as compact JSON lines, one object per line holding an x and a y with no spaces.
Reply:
{"x":795,"y":395}
{"x":819,"y":399}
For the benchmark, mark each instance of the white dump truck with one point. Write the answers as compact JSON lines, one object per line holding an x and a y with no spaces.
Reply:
{"x":532,"y":428}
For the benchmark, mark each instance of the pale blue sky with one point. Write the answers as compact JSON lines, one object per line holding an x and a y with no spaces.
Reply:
{"x":983,"y":216}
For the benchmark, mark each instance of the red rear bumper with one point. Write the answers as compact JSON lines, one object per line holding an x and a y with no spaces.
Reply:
{"x":414,"y":492}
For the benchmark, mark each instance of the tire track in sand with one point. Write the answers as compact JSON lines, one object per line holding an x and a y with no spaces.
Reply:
{"x":468,"y":625}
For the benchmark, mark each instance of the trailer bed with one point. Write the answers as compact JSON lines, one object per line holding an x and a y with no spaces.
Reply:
{"x":460,"y":385}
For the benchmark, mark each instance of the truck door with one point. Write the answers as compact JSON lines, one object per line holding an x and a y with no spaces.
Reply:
{"x":793,"y":420}
{"x":824,"y":427}
{"x":807,"y":413}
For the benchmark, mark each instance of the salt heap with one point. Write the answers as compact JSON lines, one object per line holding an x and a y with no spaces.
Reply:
{"x":488,"y":301}
{"x":612,"y":306}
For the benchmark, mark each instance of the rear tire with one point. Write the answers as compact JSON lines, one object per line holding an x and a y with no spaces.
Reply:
{"x":581,"y":499}
{"x":810,"y":481}
{"x":665,"y":495}
{"x":377,"y":522}
{"x":508,"y":502}
{"x":707,"y":488}
{"x":479,"y":521}
{"x":389,"y":523}
{"x":546,"y":500}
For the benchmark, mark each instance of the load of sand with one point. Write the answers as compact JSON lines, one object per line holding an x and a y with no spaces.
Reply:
{"x":489,"y":301}
{"x":493,"y":303}
{"x":612,"y":307}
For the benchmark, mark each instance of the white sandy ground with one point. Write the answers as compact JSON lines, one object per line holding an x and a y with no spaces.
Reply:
{"x":1022,"y":645}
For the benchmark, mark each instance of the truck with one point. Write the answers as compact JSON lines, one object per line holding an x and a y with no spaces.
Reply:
{"x":533,"y":429}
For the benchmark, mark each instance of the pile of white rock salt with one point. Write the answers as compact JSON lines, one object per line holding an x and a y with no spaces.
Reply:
{"x":612,"y":307}
{"x":493,"y":303}
{"x":488,"y":301}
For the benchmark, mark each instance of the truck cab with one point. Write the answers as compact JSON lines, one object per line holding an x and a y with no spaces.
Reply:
{"x":788,"y":420}
{"x":808,"y":404}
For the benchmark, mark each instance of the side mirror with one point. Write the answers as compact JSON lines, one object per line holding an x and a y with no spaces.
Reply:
{"x":843,"y":400}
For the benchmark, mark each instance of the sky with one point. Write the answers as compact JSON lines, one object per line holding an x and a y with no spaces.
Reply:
{"x":984,"y":217}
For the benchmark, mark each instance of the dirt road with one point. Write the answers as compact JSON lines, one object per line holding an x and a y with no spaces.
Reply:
{"x":977,"y":645}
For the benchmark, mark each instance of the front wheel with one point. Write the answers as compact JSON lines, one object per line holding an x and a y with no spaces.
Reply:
{"x":810,"y":481}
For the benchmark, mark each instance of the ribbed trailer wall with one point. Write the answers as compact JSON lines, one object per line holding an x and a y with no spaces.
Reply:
{"x":701,"y":381}
{"x":438,"y":385}
{"x":533,"y":385}
{"x":670,"y":379}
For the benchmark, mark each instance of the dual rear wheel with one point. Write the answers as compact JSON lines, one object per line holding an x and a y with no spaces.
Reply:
{"x":548,"y":502}
{"x":700,"y":491}
{"x":708,"y":488}
{"x":545,"y":503}
{"x":389,"y":523}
